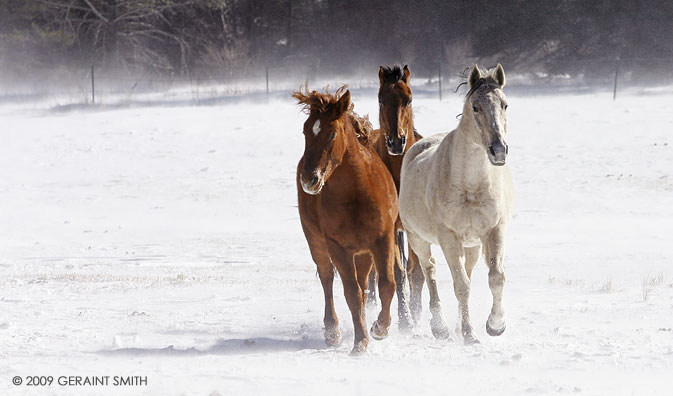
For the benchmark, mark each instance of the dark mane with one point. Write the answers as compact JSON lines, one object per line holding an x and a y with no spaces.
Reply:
{"x":392,"y":74}
{"x":484,"y":81}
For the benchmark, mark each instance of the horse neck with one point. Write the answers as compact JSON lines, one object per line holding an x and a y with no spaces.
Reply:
{"x":411,"y":136}
{"x":469,"y":164}
{"x":353,"y":156}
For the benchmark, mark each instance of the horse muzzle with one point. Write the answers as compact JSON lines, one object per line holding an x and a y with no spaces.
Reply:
{"x":497,"y":153}
{"x":396,"y":148}
{"x":314,"y":184}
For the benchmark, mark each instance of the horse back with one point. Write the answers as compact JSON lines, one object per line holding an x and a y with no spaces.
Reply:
{"x":423,"y":147}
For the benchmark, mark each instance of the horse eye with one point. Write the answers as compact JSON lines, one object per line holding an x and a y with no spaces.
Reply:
{"x":380,"y":103}
{"x":408,"y":102}
{"x":475,"y":109}
{"x":332,"y":136}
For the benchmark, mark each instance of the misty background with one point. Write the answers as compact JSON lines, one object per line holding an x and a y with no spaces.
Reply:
{"x":135,"y":45}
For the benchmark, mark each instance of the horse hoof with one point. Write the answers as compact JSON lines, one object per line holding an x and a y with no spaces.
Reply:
{"x":415,"y":317}
{"x":470,"y":339}
{"x":360,"y":348}
{"x":405,"y":325}
{"x":378,"y":333}
{"x":495,"y":332}
{"x":332,"y":337}
{"x":441,"y":333}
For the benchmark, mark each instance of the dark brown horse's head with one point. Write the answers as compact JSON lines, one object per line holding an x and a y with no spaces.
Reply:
{"x":325,"y":135}
{"x":395,"y":115}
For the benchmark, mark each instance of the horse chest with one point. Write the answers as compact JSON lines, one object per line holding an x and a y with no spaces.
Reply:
{"x":471,"y":214}
{"x":349,"y":210}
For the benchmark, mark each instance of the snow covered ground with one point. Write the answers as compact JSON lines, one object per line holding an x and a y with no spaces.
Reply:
{"x":165,"y":242}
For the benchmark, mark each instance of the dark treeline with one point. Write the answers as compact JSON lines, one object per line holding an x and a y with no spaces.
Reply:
{"x":232,"y":38}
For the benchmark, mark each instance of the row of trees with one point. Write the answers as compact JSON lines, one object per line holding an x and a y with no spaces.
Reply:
{"x":234,"y":37}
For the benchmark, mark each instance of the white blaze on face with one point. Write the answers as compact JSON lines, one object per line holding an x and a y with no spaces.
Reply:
{"x":316,"y":127}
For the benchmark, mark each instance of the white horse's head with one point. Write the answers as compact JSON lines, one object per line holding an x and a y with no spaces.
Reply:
{"x":487,"y":106}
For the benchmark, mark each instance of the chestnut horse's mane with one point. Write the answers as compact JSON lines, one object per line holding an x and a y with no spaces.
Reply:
{"x":363,"y":128}
{"x":322,"y":102}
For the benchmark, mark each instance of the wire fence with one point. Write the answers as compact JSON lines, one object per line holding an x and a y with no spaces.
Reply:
{"x":94,"y":87}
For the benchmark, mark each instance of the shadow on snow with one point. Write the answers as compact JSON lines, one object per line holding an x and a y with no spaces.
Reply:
{"x":233,"y":346}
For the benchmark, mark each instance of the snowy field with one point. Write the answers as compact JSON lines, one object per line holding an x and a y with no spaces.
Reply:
{"x":164,"y":242}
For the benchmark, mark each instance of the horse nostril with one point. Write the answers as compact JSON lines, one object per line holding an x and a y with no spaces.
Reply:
{"x":314,"y":181}
{"x":490,"y":148}
{"x":506,"y":149}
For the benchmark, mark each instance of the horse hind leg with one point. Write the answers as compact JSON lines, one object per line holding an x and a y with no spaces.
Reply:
{"x":416,"y":281}
{"x":406,"y":323}
{"x":422,"y":249}
{"x":384,"y":253}
{"x":363,"y":269}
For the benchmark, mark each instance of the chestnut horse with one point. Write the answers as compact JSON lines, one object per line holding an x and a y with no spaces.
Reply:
{"x":348,"y":207}
{"x":396,"y":136}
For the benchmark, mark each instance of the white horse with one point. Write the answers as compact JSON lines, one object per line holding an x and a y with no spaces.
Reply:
{"x":457,"y":192}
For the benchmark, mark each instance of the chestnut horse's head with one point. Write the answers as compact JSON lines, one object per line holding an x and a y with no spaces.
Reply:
{"x":395,"y":116}
{"x":486,"y":105}
{"x":324,"y":134}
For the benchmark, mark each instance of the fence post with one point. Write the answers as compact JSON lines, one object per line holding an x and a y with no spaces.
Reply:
{"x":614,"y":93}
{"x":267,"y":83}
{"x":93,"y":87}
{"x":439,"y":73}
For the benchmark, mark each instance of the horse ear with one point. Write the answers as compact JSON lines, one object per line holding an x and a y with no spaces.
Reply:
{"x":406,"y":74}
{"x":475,"y":75}
{"x":499,"y":75}
{"x":382,"y":74}
{"x":344,"y":103}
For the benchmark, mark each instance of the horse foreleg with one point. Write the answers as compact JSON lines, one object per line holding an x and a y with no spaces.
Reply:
{"x":495,"y":325}
{"x":422,"y":249}
{"x":384,"y":258}
{"x":403,"y":312}
{"x":326,"y":274}
{"x":416,"y":280}
{"x":471,"y":259}
{"x":371,"y":293}
{"x":344,"y":262}
{"x":455,"y":257}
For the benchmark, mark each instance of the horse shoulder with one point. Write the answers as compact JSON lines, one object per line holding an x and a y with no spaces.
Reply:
{"x":507,"y":194}
{"x":380,"y":177}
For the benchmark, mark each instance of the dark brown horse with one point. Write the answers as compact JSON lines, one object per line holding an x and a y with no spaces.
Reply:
{"x":396,"y":136}
{"x":348,"y":207}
